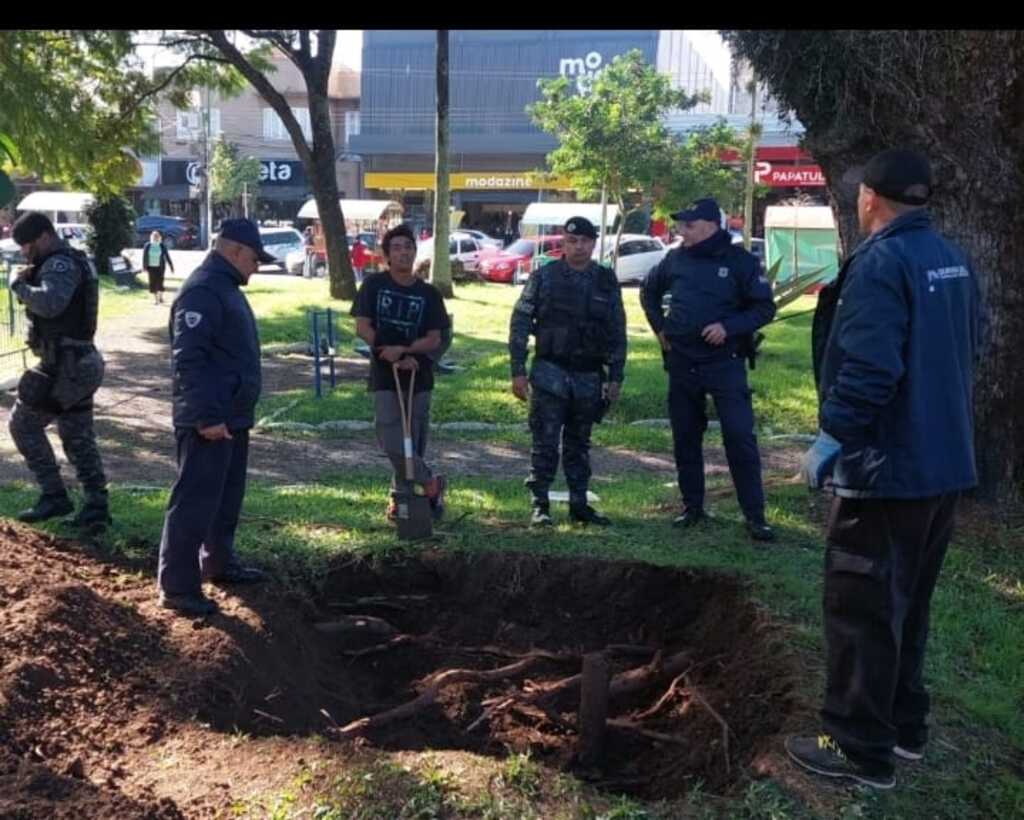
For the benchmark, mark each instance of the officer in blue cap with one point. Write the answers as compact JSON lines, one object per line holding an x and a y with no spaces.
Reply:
{"x":215,"y":353}
{"x":719,"y":298}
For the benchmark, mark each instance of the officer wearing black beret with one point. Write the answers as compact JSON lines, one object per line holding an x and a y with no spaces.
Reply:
{"x":719,"y":297}
{"x":573,"y":308}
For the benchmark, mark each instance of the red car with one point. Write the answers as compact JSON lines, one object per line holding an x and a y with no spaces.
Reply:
{"x":502,"y":265}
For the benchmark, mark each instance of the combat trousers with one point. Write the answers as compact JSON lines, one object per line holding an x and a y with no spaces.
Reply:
{"x":198,"y":539}
{"x":567,"y":421}
{"x":881,"y":564}
{"x":725,"y":380}
{"x":28,"y":425}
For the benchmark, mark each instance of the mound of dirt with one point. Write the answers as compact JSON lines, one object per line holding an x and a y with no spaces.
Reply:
{"x":446,"y":651}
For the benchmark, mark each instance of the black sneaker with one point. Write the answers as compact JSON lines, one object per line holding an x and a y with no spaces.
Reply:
{"x":196,"y":605}
{"x":908,"y":751}
{"x":541,"y":516}
{"x":240,"y":575}
{"x":689,"y":518}
{"x":47,"y":507}
{"x":588,"y":515}
{"x":821,"y":754}
{"x":760,"y":531}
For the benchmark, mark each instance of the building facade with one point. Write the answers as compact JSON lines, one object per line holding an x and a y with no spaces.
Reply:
{"x":249,"y":123}
{"x":495,"y":149}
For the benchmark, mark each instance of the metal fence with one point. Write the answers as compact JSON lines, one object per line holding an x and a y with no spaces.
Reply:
{"x":13,"y":352}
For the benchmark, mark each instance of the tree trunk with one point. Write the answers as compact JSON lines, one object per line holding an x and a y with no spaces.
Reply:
{"x":441,"y":267}
{"x":958,"y":96}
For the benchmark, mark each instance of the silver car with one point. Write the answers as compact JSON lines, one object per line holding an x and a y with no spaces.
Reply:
{"x":279,"y":242}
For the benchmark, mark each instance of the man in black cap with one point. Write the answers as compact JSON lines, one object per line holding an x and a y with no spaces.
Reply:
{"x":719,"y":298}
{"x":896,"y":444}
{"x":60,"y":292}
{"x":215,"y":351}
{"x":573,"y":308}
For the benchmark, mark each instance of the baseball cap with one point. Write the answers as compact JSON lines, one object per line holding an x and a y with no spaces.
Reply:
{"x":898,"y":174}
{"x":706,"y":209}
{"x":245,"y":232}
{"x":579,"y":226}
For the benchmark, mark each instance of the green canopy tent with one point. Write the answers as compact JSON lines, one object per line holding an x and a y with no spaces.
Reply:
{"x":801,"y":240}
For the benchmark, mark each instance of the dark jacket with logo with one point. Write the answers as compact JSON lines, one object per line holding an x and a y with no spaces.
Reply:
{"x":898,"y":368}
{"x":576,"y":317}
{"x":713,"y":281}
{"x":215,"y":349}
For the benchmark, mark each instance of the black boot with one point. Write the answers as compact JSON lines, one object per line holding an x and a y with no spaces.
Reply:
{"x":94,"y":516}
{"x":47,"y":507}
{"x":541,"y":516}
{"x":760,"y":531}
{"x":690,"y":517}
{"x":585,"y":514}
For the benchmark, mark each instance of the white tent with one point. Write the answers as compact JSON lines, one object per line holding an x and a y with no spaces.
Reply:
{"x":52,"y":201}
{"x":558,"y":213}
{"x":355,"y":210}
{"x":812,"y":217}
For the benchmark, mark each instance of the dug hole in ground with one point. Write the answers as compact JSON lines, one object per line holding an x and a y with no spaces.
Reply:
{"x":99,"y":688}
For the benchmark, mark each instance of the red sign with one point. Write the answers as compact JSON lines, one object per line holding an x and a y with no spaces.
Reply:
{"x":789,"y":176}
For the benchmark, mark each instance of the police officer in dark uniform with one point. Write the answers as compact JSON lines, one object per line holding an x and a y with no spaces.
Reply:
{"x":573,"y":308}
{"x":60,"y":292}
{"x":719,"y":297}
{"x":215,"y":350}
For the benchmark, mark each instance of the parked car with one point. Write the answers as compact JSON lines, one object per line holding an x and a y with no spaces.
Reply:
{"x":11,"y":255}
{"x":280,"y":242}
{"x":176,"y":231}
{"x":638,"y":253}
{"x":483,"y":239}
{"x":461,"y":247}
{"x":75,"y":234}
{"x":518,"y":259}
{"x":756,"y":245}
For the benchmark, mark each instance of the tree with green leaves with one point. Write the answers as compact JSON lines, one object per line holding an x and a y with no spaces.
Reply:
{"x":113,"y":229}
{"x":955,"y":95}
{"x":613,"y":135}
{"x":232,"y":177}
{"x":66,"y":111}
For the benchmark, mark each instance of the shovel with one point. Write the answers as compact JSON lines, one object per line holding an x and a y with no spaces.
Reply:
{"x":413,"y":513}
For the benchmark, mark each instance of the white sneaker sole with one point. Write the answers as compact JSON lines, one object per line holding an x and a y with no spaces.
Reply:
{"x":906,"y":754}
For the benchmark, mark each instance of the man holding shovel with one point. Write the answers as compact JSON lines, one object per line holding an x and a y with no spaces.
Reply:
{"x":402,"y":319}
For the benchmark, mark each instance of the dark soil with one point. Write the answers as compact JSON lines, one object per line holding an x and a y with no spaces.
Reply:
{"x":97,"y":683}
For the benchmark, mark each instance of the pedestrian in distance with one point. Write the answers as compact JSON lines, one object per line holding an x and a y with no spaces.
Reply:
{"x":897,"y":447}
{"x":215,"y":352}
{"x":573,"y":309}
{"x":60,"y":292}
{"x":404,"y":321}
{"x":156,"y":259}
{"x":359,"y":258}
{"x":719,"y":298}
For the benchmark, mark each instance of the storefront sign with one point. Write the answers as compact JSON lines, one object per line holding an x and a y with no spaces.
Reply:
{"x":789,"y":176}
{"x":583,"y":69}
{"x":474,"y":181}
{"x":272,"y":172}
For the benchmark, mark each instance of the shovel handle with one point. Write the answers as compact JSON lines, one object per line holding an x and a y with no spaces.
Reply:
{"x":405,"y":408}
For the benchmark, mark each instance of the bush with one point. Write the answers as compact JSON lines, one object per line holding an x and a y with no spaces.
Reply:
{"x":113,"y":230}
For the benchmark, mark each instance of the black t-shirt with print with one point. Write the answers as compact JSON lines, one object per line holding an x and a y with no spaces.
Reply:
{"x":400,"y":315}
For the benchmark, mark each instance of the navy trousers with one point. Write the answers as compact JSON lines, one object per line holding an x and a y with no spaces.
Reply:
{"x":725,"y":380}
{"x":881,"y":565}
{"x":198,"y":539}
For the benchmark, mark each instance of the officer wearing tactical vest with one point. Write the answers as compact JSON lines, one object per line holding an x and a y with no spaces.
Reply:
{"x":719,"y":297}
{"x":60,"y":292}
{"x":573,"y":308}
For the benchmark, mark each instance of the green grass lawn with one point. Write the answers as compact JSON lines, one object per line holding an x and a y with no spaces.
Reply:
{"x":975,"y":662}
{"x":784,"y":397}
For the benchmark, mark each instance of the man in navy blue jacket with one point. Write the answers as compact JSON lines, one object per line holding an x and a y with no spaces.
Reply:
{"x":215,"y":350}
{"x":719,"y":298}
{"x":896,"y":442}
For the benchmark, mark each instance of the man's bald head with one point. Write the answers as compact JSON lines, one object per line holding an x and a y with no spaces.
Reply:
{"x":244,"y":258}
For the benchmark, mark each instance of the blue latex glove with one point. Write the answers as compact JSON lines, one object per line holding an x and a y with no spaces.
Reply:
{"x":820,"y":460}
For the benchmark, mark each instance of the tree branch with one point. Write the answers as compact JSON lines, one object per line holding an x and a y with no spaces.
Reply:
{"x":167,"y":81}
{"x":273,"y":97}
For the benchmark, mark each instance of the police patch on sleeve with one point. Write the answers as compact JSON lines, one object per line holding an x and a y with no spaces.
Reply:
{"x":723,"y":273}
{"x":59,"y":265}
{"x":192,"y":319}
